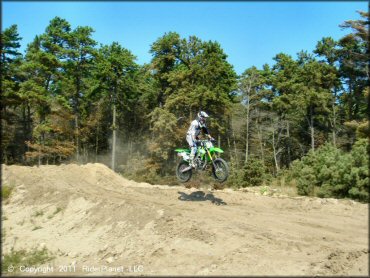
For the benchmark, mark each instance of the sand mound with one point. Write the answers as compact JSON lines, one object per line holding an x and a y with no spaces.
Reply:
{"x":104,"y":224}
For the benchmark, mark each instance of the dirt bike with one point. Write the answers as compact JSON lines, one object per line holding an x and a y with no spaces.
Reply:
{"x":207,"y":155}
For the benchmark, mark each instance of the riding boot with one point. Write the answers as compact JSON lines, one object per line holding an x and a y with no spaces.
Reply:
{"x":191,"y":161}
{"x":191,"y":164}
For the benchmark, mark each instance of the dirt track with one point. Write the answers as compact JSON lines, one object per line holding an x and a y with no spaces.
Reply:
{"x":91,"y":217}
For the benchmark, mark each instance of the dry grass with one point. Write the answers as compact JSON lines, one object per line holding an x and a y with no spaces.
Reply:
{"x":6,"y":191}
{"x":26,"y":258}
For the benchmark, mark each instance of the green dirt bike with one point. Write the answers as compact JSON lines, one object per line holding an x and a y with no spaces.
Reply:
{"x":207,"y":155}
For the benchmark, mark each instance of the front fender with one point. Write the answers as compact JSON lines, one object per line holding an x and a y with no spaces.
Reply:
{"x":215,"y":150}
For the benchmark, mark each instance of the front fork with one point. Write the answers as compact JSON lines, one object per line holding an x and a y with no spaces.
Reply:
{"x":210,"y":156}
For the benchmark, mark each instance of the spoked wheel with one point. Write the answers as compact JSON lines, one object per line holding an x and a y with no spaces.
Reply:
{"x":220,"y":170}
{"x":183,"y":176}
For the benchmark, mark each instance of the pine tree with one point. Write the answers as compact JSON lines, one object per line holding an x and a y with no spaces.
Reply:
{"x":79,"y":55}
{"x":11,"y":58}
{"x":114,"y":68}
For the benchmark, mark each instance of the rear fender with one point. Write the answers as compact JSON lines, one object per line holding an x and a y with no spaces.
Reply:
{"x":182,"y":150}
{"x":184,"y":153}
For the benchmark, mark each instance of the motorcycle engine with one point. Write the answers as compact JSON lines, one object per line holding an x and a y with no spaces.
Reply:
{"x":199,"y":162}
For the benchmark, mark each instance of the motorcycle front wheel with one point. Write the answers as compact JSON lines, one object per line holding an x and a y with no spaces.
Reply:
{"x":183,"y":177}
{"x":220,"y":170}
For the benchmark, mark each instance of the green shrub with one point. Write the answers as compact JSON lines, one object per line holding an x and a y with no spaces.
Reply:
{"x":360,"y":171}
{"x":6,"y":191}
{"x":25,"y":258}
{"x":235,"y":178}
{"x":335,"y":173}
{"x":306,"y":181}
{"x":252,"y":174}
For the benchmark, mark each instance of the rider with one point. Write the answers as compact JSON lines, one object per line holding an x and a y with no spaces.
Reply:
{"x":196,"y":126}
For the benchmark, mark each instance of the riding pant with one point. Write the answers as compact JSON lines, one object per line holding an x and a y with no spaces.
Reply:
{"x":192,"y":145}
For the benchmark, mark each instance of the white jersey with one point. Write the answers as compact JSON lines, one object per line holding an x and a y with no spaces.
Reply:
{"x":195,"y":128}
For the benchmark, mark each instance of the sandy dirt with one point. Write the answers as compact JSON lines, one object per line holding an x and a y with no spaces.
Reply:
{"x":98,"y":223}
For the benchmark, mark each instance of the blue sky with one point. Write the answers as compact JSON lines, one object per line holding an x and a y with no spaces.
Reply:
{"x":251,"y":33}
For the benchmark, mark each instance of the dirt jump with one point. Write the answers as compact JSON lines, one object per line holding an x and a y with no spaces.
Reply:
{"x":95,"y":222}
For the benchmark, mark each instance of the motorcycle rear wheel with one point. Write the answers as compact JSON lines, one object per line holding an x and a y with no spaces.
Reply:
{"x":183,"y":177}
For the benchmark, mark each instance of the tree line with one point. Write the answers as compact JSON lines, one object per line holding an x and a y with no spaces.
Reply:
{"x":69,"y":99}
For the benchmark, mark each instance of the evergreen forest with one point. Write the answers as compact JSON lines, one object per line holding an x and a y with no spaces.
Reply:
{"x":301,"y":121}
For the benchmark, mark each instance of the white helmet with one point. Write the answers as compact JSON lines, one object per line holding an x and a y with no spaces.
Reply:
{"x":202,"y":116}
